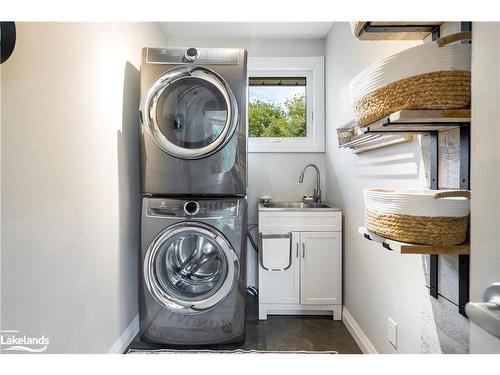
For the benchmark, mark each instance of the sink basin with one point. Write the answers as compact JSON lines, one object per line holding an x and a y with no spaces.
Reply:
{"x":285,"y":217}
{"x":297,"y":206}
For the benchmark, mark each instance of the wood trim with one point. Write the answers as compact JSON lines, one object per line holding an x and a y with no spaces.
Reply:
{"x":464,"y":35}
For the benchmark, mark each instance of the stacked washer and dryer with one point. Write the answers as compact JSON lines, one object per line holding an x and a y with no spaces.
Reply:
{"x":194,"y":183}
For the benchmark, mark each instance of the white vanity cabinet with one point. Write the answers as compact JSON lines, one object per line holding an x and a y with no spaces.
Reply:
{"x":320,"y":268}
{"x":300,"y":263}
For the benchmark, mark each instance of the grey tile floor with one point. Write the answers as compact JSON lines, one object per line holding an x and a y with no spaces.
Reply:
{"x":281,"y":333}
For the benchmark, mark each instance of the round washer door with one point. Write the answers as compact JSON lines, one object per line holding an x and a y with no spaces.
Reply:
{"x":190,"y":112}
{"x":190,"y":267}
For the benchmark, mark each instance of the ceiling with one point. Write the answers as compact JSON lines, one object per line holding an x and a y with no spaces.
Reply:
{"x":247,"y":30}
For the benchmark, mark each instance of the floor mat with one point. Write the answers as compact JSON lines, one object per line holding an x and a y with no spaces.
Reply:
{"x":235,"y":351}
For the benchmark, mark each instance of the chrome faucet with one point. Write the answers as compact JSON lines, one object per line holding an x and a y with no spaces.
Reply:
{"x":317,"y":191}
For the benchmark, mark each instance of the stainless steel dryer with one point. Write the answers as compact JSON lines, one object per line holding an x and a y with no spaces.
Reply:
{"x":193,"y":114}
{"x":193,"y":271}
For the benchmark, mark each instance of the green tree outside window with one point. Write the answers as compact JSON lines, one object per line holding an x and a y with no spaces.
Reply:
{"x":272,"y":120}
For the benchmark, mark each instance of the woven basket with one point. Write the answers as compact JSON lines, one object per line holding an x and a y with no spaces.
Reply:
{"x":439,"y":90}
{"x":357,"y":27}
{"x":422,"y":77}
{"x":344,"y":135}
{"x":426,"y":217}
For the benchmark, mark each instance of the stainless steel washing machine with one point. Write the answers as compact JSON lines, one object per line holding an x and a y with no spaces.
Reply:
{"x":193,"y":271}
{"x":193,"y":115}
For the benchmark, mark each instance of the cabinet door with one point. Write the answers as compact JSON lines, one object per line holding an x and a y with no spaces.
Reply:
{"x":321,"y":267}
{"x":279,"y":285}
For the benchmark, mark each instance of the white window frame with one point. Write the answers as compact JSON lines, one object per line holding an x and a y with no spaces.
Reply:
{"x":313,"y":69}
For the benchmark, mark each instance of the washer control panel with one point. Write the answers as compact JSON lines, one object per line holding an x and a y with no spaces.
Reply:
{"x":193,"y":208}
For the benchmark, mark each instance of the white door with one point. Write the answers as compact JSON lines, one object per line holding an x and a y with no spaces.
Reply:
{"x":321,"y":264}
{"x":279,"y":269}
{"x":485,"y":175}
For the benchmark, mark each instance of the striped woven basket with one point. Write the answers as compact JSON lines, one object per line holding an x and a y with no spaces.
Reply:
{"x":424,"y":77}
{"x":357,"y":27}
{"x":426,"y":217}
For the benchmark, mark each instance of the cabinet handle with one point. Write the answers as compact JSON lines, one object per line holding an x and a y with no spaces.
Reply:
{"x":297,"y":252}
{"x":274,"y":236}
{"x":303,"y":250}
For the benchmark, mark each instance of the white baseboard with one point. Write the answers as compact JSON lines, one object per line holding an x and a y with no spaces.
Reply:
{"x":126,"y":337}
{"x":357,"y":333}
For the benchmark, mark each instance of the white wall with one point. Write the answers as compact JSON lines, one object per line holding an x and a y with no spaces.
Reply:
{"x":275,"y":174}
{"x":377,"y":283}
{"x":485,"y":173}
{"x":70,"y":182}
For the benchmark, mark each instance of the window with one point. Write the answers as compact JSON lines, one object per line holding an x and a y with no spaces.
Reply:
{"x":277,"y":107}
{"x":285,"y":104}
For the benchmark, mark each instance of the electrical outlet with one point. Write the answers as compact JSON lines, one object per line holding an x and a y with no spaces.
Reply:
{"x":392,"y":331}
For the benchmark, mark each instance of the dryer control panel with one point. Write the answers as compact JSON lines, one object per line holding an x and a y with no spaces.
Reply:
{"x":193,"y":55}
{"x":193,"y":208}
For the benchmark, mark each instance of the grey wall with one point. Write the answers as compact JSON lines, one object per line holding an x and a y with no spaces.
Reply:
{"x":70,"y":182}
{"x":274,"y":174}
{"x":378,"y":283}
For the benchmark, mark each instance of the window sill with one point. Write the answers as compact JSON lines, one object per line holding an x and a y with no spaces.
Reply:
{"x":285,"y":145}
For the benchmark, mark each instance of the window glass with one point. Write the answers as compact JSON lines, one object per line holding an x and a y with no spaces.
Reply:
{"x":191,"y":113}
{"x":191,"y":267}
{"x":277,"y":107}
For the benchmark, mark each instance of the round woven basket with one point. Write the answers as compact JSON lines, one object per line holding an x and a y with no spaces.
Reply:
{"x":423,"y":230}
{"x":438,"y":90}
{"x":357,"y":27}
{"x":427,"y":76}
{"x":438,"y":218}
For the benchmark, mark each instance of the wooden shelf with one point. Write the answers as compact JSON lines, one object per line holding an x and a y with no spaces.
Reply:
{"x":390,"y":129}
{"x":406,"y":248}
{"x":417,"y":121}
{"x":382,"y":141}
{"x":397,"y":30}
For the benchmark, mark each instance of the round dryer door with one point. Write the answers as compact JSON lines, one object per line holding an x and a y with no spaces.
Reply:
{"x":190,"y":267}
{"x":190,"y":112}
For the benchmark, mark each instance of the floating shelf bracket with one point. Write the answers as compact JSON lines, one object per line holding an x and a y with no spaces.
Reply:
{"x":397,"y":30}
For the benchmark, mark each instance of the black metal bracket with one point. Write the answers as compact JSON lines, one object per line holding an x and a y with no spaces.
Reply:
{"x":443,"y":123}
{"x":436,"y":33}
{"x":466,"y":26}
{"x":384,"y":244}
{"x":434,"y":185}
{"x":369,"y":28}
{"x":464,"y":260}
{"x":8,"y":40}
